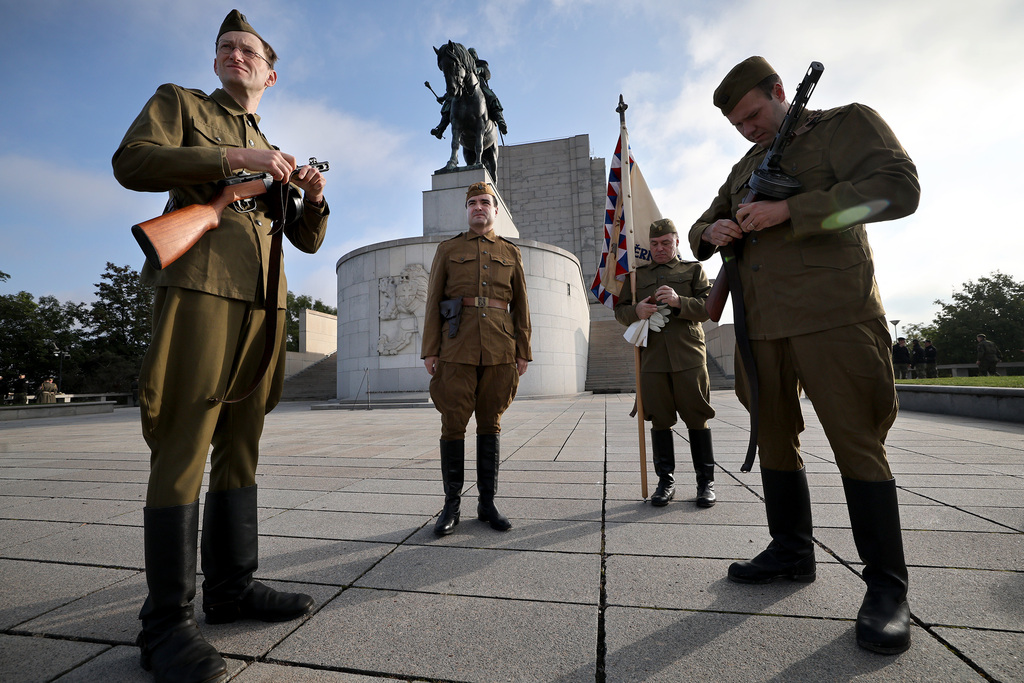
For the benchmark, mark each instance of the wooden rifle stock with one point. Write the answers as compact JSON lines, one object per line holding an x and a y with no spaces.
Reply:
{"x":719,"y":294}
{"x":165,"y":238}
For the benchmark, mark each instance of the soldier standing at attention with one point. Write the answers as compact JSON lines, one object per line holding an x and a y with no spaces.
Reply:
{"x":476,"y":345}
{"x":673,"y":367}
{"x":809,"y":283}
{"x":211,"y":312}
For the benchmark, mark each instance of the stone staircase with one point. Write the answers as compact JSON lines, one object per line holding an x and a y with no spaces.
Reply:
{"x":611,"y":365}
{"x":317,"y":382}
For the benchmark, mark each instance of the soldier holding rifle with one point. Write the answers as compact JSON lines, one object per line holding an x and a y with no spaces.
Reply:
{"x":808,"y":279}
{"x":218,"y":323}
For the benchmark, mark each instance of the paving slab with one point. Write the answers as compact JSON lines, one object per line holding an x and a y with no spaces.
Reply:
{"x":592,"y":583}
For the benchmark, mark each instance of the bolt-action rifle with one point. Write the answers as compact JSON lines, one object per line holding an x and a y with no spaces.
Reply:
{"x":767,"y":182}
{"x":165,"y":238}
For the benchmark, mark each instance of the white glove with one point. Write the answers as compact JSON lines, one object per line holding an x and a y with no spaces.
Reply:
{"x":636,"y":334}
{"x":659,"y":318}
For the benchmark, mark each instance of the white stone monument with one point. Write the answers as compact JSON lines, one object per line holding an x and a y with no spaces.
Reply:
{"x":382,"y":291}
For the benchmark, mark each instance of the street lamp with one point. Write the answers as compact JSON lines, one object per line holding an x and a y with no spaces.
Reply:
{"x":62,"y":355}
{"x":895,"y":329}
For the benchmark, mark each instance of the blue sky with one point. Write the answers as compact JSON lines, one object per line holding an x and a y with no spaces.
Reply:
{"x":944,"y":74}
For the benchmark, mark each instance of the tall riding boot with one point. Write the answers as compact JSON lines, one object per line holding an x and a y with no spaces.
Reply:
{"x":703,"y":465}
{"x":172,"y":646}
{"x":883,"y":622}
{"x":453,"y":474}
{"x":487,"y":458}
{"x":664,"y":457}
{"x":230,"y":557}
{"x":790,"y":555}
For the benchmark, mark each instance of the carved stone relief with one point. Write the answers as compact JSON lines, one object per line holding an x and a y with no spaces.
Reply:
{"x":402,"y":299}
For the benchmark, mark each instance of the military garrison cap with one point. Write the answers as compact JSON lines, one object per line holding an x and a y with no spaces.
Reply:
{"x":739,"y":82}
{"x":480,"y":188}
{"x":236,"y":21}
{"x":662,"y":227}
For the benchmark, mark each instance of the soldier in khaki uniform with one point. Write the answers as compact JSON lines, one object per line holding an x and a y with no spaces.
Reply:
{"x":808,"y":282}
{"x":476,"y":345}
{"x":673,"y":366}
{"x":989,"y":356}
{"x":209,"y":331}
{"x":48,"y":391}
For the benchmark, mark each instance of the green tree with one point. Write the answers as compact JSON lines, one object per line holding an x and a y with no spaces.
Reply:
{"x":296,"y":304}
{"x":119,"y":329}
{"x":34,"y":332}
{"x":993,"y":306}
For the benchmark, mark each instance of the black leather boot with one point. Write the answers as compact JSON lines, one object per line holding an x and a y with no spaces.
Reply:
{"x":883,"y":622}
{"x":487,"y":458}
{"x":172,"y":646}
{"x":230,"y":557}
{"x":664,"y":457}
{"x":790,"y":555}
{"x":453,"y":474}
{"x":704,"y":466}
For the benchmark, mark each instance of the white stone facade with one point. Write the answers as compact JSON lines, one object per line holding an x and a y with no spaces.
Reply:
{"x":370,"y":329}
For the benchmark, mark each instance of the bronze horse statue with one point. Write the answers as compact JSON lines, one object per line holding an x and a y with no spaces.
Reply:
{"x":471,"y":125}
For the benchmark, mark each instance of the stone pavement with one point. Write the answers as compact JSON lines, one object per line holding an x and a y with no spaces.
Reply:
{"x":591,"y":584}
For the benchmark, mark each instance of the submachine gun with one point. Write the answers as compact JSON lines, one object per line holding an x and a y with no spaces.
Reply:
{"x":165,"y":238}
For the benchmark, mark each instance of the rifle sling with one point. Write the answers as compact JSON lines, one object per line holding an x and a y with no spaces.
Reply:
{"x":270,"y":296}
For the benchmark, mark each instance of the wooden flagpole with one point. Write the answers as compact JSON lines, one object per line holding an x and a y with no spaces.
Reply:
{"x":627,"y":224}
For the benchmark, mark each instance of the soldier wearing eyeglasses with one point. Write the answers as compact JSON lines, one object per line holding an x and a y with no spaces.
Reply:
{"x":211,"y":311}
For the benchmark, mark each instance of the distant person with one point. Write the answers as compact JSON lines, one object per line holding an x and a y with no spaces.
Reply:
{"x":988,"y":357}
{"x":211,"y":313}
{"x":47,"y":391}
{"x":3,"y":390}
{"x":917,"y":359}
{"x":674,"y":379}
{"x":20,"y":390}
{"x":931,"y":359}
{"x":135,"y":391}
{"x":901,"y":359}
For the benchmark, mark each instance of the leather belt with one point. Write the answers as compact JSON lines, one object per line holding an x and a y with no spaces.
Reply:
{"x":484,"y":302}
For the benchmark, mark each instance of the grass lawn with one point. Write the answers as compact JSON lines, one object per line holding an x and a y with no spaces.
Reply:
{"x":1014,"y":381}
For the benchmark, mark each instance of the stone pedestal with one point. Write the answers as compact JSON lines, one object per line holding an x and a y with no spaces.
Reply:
{"x":444,"y":205}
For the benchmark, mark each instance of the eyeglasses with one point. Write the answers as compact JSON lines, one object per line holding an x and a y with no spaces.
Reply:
{"x":225,"y":49}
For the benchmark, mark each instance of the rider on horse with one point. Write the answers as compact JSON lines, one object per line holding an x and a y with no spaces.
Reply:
{"x":494,"y":109}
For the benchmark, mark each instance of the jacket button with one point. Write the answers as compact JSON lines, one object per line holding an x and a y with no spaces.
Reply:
{"x":251,"y":143}
{"x":756,"y":268}
{"x":484,"y":284}
{"x":753,"y":240}
{"x":485,"y":267}
{"x":259,"y":223}
{"x":483,"y":315}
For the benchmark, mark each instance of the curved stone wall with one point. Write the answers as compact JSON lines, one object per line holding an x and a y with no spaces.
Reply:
{"x":381,"y":301}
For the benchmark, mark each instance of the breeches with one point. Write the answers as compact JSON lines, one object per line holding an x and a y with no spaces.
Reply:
{"x":854,"y":398}
{"x":204,"y":346}
{"x":687,"y":393}
{"x":459,"y":390}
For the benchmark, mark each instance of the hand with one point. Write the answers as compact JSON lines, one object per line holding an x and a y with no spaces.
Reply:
{"x":430,"y":363}
{"x":272,"y":161}
{"x":722,"y":232}
{"x":521,"y":364}
{"x":757,"y":216}
{"x":667,"y":295}
{"x":645,"y":308}
{"x":312,"y":182}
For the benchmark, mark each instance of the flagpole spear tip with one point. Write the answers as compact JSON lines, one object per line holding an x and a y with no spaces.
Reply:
{"x":621,"y":109}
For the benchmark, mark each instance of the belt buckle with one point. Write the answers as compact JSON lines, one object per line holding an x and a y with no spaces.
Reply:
{"x":481,"y":302}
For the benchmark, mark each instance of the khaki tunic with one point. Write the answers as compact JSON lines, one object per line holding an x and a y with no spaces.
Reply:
{"x":477,"y":368}
{"x":810,"y":291}
{"x":178,"y":144}
{"x":209,"y":324}
{"x":673,"y":366}
{"x":48,"y":392}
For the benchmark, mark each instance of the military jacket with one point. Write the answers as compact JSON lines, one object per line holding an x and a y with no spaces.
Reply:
{"x":680,"y":344}
{"x":472,"y":265}
{"x":815,"y":271}
{"x":178,"y":144}
{"x":988,"y":351}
